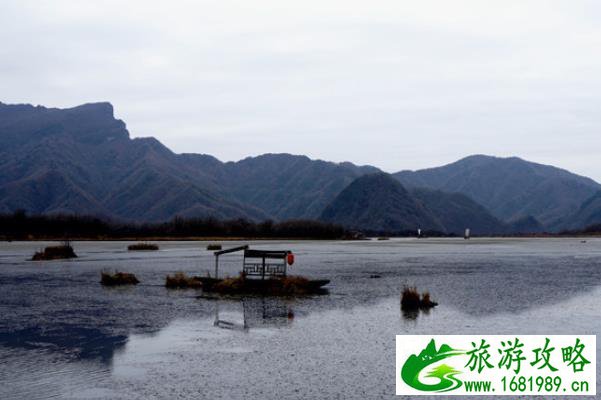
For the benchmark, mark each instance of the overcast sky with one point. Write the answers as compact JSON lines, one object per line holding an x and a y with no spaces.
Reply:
{"x":396,"y":84}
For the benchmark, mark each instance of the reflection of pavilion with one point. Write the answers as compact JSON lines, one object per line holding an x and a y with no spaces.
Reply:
{"x":256,"y":312}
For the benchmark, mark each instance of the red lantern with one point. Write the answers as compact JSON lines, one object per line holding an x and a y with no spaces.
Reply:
{"x":290,"y":258}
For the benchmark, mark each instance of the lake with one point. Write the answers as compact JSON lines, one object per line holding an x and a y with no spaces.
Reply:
{"x":63,"y":335}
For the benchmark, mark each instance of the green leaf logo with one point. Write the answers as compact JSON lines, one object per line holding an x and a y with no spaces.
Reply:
{"x":445,"y":373}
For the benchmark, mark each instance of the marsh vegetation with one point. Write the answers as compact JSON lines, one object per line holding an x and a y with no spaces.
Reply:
{"x":59,"y":252}
{"x":180,"y":280}
{"x":411,"y":300}
{"x":280,"y":286}
{"x":143,"y":246}
{"x":118,"y":278}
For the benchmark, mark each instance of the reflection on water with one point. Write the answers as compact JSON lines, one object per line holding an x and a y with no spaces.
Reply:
{"x":63,"y":336}
{"x":325,"y":354}
{"x":256,"y":312}
{"x":412,"y":315}
{"x":76,"y":342}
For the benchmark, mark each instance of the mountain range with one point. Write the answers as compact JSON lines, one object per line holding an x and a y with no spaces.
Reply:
{"x":379,"y":203}
{"x":82,"y":160}
{"x":510,"y":188}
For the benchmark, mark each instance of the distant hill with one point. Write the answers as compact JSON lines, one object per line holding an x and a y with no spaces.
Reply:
{"x":525,"y":225}
{"x":287,"y":186}
{"x":510,"y":188}
{"x":456,"y":212}
{"x":587,"y":215}
{"x":82,"y":160}
{"x":377,"y":202}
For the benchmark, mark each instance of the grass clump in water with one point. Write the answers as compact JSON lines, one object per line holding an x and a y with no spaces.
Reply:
{"x":59,"y":252}
{"x":179,"y":280}
{"x":118,"y":278}
{"x":411,"y":300}
{"x":284,"y":286}
{"x":296,"y":285}
{"x":142,"y":246}
{"x":214,"y":246}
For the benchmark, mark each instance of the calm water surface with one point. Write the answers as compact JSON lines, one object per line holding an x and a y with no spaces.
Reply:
{"x":62,"y":335}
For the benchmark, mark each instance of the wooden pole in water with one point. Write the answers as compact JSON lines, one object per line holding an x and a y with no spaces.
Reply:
{"x":226,"y":251}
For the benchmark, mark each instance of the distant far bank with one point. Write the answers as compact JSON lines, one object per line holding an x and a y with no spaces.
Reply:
{"x":225,"y":239}
{"x":22,"y":227}
{"x":208,"y":239}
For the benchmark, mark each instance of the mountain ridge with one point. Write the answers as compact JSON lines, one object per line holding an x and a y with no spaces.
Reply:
{"x":377,"y":202}
{"x":510,"y":187}
{"x":83,"y":160}
{"x":92,"y":153}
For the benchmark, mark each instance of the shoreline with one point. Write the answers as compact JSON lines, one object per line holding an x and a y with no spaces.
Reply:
{"x":161,"y":239}
{"x":250,"y":238}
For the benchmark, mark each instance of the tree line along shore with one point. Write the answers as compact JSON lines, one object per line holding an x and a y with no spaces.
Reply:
{"x":20,"y":226}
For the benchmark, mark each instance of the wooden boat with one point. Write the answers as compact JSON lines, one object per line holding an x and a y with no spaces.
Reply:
{"x":264,"y":272}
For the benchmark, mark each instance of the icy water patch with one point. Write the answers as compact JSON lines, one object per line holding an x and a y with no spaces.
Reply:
{"x":62,"y":335}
